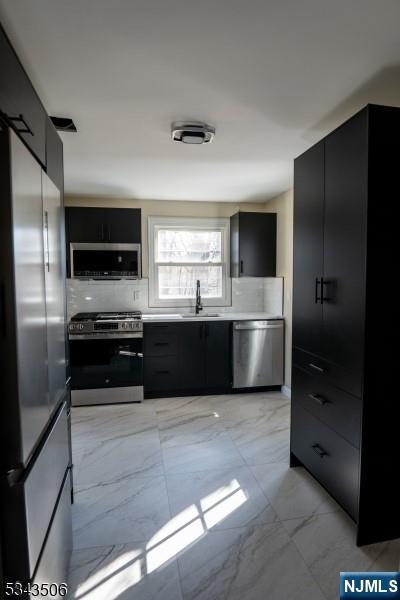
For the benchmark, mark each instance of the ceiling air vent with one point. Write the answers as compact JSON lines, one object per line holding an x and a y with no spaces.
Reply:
{"x":63,"y":124}
{"x":192,"y":133}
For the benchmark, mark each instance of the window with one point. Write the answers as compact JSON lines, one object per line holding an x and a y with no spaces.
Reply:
{"x":182,"y":251}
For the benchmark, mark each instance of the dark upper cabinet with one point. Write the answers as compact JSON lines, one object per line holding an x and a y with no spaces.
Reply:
{"x":19,"y":103}
{"x":308,"y":248}
{"x":85,"y":224}
{"x":54,"y":156}
{"x":218,"y":354}
{"x":253,"y":244}
{"x":123,"y":225}
{"x":116,"y":225}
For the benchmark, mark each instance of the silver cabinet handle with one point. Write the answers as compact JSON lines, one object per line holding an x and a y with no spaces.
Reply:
{"x":128,"y":353}
{"x":320,"y":369}
{"x":318,"y":399}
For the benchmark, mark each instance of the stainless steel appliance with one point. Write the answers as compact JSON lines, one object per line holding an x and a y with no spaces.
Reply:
{"x":106,"y":357}
{"x":34,"y":408}
{"x":105,"y":261}
{"x":258,"y":348}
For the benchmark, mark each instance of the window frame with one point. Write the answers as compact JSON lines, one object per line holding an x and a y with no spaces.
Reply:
{"x":185,"y":223}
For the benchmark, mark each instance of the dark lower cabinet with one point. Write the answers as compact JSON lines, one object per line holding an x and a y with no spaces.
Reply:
{"x":217,"y":355}
{"x":192,"y":356}
{"x":328,"y":456}
{"x":187,"y":357}
{"x":345,"y":415}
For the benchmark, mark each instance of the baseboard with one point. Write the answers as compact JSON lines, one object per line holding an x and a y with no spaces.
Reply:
{"x":286,"y":391}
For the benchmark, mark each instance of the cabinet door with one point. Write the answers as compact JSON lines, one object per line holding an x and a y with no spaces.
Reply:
{"x":218,"y":354}
{"x":123,"y":225}
{"x":30,"y":309}
{"x":55,"y":291}
{"x":20,"y":103}
{"x":308,"y":248}
{"x":257,"y":244}
{"x":192,"y":355}
{"x":85,"y":224}
{"x":345,"y":219}
{"x":54,"y":156}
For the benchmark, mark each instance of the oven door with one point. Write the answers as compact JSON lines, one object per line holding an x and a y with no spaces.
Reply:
{"x":104,"y":361}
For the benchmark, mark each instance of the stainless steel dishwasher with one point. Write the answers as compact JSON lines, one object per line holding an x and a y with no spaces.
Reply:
{"x":258,"y":348}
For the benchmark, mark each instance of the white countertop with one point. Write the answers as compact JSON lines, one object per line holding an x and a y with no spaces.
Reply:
{"x":242,"y":316}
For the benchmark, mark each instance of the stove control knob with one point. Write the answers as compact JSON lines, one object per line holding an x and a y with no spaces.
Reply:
{"x":80,"y":326}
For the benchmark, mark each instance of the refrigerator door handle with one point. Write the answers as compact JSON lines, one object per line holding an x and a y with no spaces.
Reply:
{"x":46,"y":240}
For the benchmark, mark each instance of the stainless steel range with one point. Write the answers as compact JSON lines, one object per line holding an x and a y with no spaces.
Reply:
{"x":106,"y":357}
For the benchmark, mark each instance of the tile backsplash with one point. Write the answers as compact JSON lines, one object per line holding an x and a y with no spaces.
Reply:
{"x":249,"y":294}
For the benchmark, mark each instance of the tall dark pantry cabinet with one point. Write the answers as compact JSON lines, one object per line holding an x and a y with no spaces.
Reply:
{"x":345,"y":410}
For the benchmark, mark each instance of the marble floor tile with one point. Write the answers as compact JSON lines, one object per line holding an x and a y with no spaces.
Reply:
{"x":222,"y":498}
{"x":166,"y":407}
{"x":254,"y":404}
{"x":274,"y":415}
{"x":94,"y":424}
{"x":120,"y":572}
{"x":292,"y":492}
{"x":133,"y":509}
{"x":263,"y":444}
{"x":203,"y":456}
{"x":190,"y":427}
{"x":249,"y":563}
{"x":327,"y":544}
{"x":113,"y":460}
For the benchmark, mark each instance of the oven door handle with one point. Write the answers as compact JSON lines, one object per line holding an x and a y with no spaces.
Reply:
{"x":128,"y":353}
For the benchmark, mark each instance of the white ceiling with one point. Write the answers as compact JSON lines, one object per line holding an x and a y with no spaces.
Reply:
{"x":273,"y":76}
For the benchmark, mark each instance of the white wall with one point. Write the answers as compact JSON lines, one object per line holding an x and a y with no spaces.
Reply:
{"x":283,"y":206}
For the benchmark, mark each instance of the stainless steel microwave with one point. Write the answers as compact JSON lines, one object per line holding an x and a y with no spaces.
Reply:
{"x":105,"y":261}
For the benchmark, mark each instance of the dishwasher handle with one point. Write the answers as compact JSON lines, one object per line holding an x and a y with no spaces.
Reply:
{"x":254,"y":325}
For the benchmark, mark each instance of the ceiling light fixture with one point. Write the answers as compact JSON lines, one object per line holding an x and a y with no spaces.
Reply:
{"x":192,"y":133}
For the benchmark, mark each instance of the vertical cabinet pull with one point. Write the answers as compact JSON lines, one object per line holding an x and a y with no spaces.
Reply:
{"x":46,"y":232}
{"x":241,"y":266}
{"x":317,"y":297}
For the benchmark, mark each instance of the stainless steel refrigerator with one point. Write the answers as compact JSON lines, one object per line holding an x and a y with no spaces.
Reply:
{"x":34,"y":407}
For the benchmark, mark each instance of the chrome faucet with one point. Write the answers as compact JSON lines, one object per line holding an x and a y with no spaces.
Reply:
{"x":199,"y":305}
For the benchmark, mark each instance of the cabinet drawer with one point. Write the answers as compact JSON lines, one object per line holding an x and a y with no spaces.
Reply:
{"x":54,"y":561}
{"x":43,"y":484}
{"x":161,"y":373}
{"x":332,"y":460}
{"x":338,"y":410}
{"x":161,"y":344}
{"x":331,"y":373}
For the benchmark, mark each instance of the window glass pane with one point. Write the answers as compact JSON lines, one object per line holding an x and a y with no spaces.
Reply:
{"x":180,"y":282}
{"x":188,"y":246}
